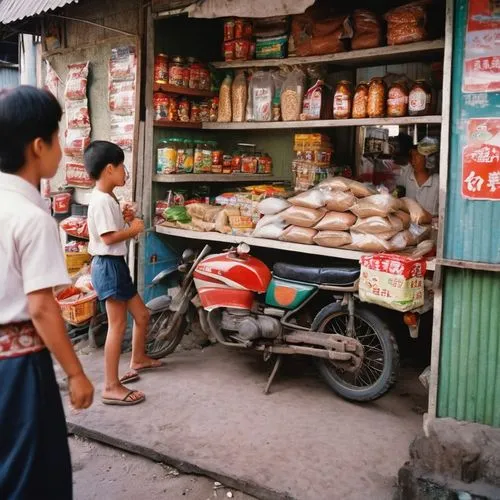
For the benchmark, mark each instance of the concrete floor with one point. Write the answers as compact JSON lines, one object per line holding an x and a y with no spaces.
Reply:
{"x":101,"y":472}
{"x":206,"y":413}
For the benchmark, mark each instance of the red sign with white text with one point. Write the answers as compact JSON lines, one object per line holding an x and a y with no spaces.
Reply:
{"x":482,"y":41}
{"x":481,"y":160}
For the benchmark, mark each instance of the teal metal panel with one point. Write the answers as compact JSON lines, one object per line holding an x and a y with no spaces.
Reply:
{"x":472,"y":229}
{"x":469,"y":373}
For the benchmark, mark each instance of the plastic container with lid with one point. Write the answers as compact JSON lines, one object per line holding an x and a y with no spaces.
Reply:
{"x":377,"y":98}
{"x":360,"y":101}
{"x":176,"y":72}
{"x":397,"y":100}
{"x":167,"y":156}
{"x":194,"y":76}
{"x":420,"y":99}
{"x":342,"y":100}
{"x":198,"y":157}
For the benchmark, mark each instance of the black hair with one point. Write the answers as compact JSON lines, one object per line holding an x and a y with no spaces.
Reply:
{"x":26,"y":113}
{"x":99,"y":154}
{"x":405,"y":144}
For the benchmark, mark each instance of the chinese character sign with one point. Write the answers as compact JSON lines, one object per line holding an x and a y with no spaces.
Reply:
{"x":481,"y":160}
{"x":482,"y":57}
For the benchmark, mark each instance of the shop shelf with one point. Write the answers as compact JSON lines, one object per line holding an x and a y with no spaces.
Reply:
{"x":174,"y":89}
{"x":406,"y":120}
{"x":172,"y":178}
{"x":265,"y":243}
{"x":166,"y":124}
{"x":411,"y":51}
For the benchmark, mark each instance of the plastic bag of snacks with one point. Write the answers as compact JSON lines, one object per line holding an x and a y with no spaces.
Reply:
{"x":76,"y":226}
{"x":367,"y":30}
{"x":76,"y":81}
{"x":262,"y":90}
{"x":77,"y":114}
{"x":406,"y":24}
{"x":75,"y":142}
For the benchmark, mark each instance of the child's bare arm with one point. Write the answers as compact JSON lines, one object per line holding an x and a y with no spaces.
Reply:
{"x":46,"y":316}
{"x":136,"y":227}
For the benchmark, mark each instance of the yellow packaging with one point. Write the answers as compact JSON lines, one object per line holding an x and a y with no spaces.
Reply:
{"x":76,"y":260}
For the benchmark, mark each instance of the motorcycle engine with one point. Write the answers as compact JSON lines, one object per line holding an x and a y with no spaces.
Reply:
{"x":250,"y":326}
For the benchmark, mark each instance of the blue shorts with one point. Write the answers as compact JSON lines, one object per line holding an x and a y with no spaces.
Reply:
{"x":111,"y":278}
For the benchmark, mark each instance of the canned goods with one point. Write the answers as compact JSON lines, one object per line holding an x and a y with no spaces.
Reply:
{"x":161,"y":68}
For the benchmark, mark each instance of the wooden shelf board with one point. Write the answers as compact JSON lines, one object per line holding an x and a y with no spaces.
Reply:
{"x":418,"y":50}
{"x":265,"y":243}
{"x":165,"y":124}
{"x":406,"y":120}
{"x":217,"y":178}
{"x":174,"y":89}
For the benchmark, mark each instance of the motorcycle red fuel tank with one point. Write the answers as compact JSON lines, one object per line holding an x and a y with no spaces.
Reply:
{"x":229,"y":280}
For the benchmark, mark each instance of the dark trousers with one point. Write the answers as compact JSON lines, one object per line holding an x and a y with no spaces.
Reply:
{"x":34,"y":454}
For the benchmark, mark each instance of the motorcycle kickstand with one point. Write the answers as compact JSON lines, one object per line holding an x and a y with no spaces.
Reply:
{"x":273,"y":373}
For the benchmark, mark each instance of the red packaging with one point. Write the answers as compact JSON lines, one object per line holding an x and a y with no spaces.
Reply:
{"x":77,"y":114}
{"x":229,"y":30}
{"x":241,"y":49}
{"x":249,"y":165}
{"x":76,"y":81}
{"x":76,"y":140}
{"x":247,"y":29}
{"x":160,"y":106}
{"x":161,"y":68}
{"x":61,"y":203}
{"x":76,"y":175}
{"x":76,"y":226}
{"x":239,"y":28}
{"x":236,"y":164}
{"x":229,"y":50}
{"x":251,"y":53}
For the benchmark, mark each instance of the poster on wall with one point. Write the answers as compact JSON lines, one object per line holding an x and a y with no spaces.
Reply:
{"x":482,"y":47}
{"x":481,"y":160}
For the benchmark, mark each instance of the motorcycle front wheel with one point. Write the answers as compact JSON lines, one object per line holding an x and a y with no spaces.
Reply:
{"x":171,"y":331}
{"x":381,"y":354}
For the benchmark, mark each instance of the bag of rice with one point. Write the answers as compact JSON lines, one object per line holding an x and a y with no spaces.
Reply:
{"x":335,"y":184}
{"x":270,"y":231}
{"x":417,"y":213}
{"x":339,"y":201}
{"x":270,"y":219}
{"x":272,"y":206}
{"x":314,"y":198}
{"x":360,"y":190}
{"x":369,"y":243}
{"x":404,"y":217}
{"x":376,"y":204}
{"x":303,"y":217}
{"x":295,"y":234}
{"x":372,"y":225}
{"x":332,"y":239}
{"x":336,"y":221}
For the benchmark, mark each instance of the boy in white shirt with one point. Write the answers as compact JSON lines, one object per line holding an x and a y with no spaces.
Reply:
{"x":111,"y":279}
{"x":34,"y":453}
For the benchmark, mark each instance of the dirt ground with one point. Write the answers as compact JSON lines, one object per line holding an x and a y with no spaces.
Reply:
{"x":100,"y":471}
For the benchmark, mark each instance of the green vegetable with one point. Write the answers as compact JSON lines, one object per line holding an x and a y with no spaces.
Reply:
{"x":177,"y":214}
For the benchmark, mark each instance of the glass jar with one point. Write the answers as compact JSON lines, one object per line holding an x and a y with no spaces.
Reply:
{"x":205,"y":111}
{"x":205,"y":80}
{"x":226,"y":164}
{"x":195,"y":112}
{"x":181,"y":155}
{"x":184,"y":109}
{"x":397,"y":100}
{"x":186,"y":72}
{"x":160,"y":106}
{"x":173,"y":109}
{"x":198,"y":157}
{"x":208,"y":147}
{"x":420,"y":99}
{"x":166,"y":155}
{"x":342,"y":101}
{"x":176,"y":72}
{"x":360,"y":101}
{"x":214,"y":109}
{"x":187,"y":166}
{"x":276,"y":109}
{"x":194,"y":75}
{"x":236,"y":162}
{"x":161,"y":68}
{"x":376,"y":98}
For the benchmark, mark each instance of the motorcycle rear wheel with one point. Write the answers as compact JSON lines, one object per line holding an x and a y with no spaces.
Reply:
{"x":156,"y":348}
{"x":381,"y":354}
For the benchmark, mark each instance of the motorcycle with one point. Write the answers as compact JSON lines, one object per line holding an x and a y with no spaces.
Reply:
{"x":245,"y":306}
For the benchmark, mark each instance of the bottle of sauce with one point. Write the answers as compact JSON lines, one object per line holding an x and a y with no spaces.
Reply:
{"x":360,"y":101}
{"x":397,"y":100}
{"x":376,"y":98}
{"x":419,"y":100}
{"x":342,"y":101}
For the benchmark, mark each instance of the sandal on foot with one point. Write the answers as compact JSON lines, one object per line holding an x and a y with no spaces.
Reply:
{"x":149,"y":368}
{"x":130,"y":376}
{"x":126,"y":401}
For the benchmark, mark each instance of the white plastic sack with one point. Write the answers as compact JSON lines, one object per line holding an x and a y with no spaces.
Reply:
{"x":272,"y":206}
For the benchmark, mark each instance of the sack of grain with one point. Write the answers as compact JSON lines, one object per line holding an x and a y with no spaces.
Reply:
{"x":303,"y":217}
{"x":270,"y":219}
{"x":203,"y":211}
{"x":376,"y":204}
{"x":372,"y":225}
{"x":417,"y":213}
{"x":361,"y":190}
{"x":339,"y":201}
{"x":335,"y":184}
{"x":239,"y":97}
{"x":336,"y":221}
{"x":270,"y":231}
{"x":225,"y":113}
{"x":296,"y":234}
{"x":369,"y":243}
{"x":272,"y":206}
{"x":292,"y":93}
{"x":313,"y":198}
{"x":404,"y":217}
{"x":333,"y":239}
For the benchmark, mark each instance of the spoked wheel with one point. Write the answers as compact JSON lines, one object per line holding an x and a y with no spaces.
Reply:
{"x":164,"y":334}
{"x":381,"y":356}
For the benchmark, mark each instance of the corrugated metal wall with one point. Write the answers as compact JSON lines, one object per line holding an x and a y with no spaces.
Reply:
{"x":9,"y":78}
{"x":472,"y":227}
{"x":469,"y":375}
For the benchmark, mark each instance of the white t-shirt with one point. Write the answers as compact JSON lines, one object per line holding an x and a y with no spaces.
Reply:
{"x":427,"y":194}
{"x":31,"y":256}
{"x":104,"y":216}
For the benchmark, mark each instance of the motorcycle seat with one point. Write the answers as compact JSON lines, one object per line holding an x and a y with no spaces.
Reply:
{"x":340,"y":275}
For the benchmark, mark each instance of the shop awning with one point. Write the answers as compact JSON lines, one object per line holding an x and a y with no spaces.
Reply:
{"x":16,"y":10}
{"x":210,"y":9}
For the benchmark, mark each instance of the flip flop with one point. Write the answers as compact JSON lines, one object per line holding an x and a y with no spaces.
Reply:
{"x":149,"y":368}
{"x":130,"y":376}
{"x":126,"y":401}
